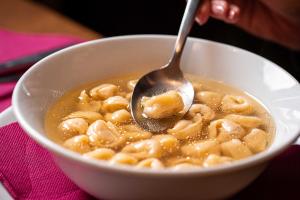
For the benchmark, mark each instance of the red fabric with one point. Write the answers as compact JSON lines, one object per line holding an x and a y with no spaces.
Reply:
{"x":28,"y":171}
{"x":15,"y":45}
{"x":5,"y":94}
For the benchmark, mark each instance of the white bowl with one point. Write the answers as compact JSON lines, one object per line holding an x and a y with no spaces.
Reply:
{"x":47,"y":80}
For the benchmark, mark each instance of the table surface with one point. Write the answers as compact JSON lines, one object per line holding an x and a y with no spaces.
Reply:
{"x":28,"y":16}
{"x":31,"y":17}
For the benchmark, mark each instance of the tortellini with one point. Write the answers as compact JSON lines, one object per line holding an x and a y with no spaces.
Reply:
{"x":152,"y":163}
{"x":134,"y":133}
{"x":100,"y":154}
{"x":84,"y":97}
{"x":86,"y":103}
{"x":94,"y":106}
{"x":149,"y":148}
{"x":184,"y":166}
{"x":221,"y":126}
{"x":79,"y":143}
{"x":197,"y":86}
{"x":89,"y":116}
{"x":235,"y":149}
{"x":201,"y":149}
{"x":245,"y":121}
{"x":124,"y":159}
{"x":104,"y":134}
{"x":236,"y":104}
{"x":128,"y":96}
{"x":224,"y":130}
{"x":73,"y":126}
{"x":206,"y":112}
{"x":168,"y":143}
{"x":181,"y":160}
{"x":131,"y":84}
{"x":214,"y":160}
{"x":187,"y":129}
{"x":211,"y":99}
{"x":118,"y":117}
{"x":163,"y":105}
{"x":104,"y":91}
{"x":256,"y":140}
{"x":114,"y":103}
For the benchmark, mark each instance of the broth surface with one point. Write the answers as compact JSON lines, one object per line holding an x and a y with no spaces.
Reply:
{"x":224,"y":124}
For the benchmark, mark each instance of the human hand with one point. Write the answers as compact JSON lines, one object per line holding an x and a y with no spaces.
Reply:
{"x":274,"y":20}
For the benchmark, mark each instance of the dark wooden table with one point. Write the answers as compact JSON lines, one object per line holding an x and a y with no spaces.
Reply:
{"x":31,"y":17}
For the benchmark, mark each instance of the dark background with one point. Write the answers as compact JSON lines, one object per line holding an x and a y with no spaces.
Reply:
{"x":111,"y":18}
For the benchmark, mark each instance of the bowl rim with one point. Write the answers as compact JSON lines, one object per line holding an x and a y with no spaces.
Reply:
{"x":123,"y":169}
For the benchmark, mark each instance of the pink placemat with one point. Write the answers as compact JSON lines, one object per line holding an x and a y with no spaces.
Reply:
{"x":14,"y":45}
{"x":28,"y":172}
{"x":6,"y":90}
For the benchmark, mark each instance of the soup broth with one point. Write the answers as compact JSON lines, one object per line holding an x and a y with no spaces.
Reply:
{"x":224,"y":124}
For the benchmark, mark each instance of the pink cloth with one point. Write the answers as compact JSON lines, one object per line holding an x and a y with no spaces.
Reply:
{"x":28,"y":171}
{"x":5,"y":94}
{"x":15,"y":45}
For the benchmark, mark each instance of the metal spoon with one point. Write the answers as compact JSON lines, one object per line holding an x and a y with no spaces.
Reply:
{"x":168,"y":77}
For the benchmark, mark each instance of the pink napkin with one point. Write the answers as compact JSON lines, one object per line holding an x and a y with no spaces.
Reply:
{"x":28,"y":171}
{"x":5,"y":94}
{"x":14,"y":45}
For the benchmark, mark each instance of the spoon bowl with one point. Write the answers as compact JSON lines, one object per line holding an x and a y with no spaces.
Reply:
{"x":155,"y":83}
{"x":168,"y":77}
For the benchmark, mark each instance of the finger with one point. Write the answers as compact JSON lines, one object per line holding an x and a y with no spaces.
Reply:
{"x":219,"y":9}
{"x":233,"y":14}
{"x":203,"y":13}
{"x":225,"y":11}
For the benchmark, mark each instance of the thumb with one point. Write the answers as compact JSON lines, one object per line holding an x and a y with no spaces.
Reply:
{"x":203,"y":12}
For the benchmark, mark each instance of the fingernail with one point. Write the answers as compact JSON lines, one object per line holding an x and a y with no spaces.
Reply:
{"x":233,"y":12}
{"x":201,"y":20}
{"x":198,"y":21}
{"x":231,"y":15}
{"x":218,"y":7}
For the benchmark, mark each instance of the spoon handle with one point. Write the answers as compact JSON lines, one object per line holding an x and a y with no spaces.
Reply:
{"x":185,"y":27}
